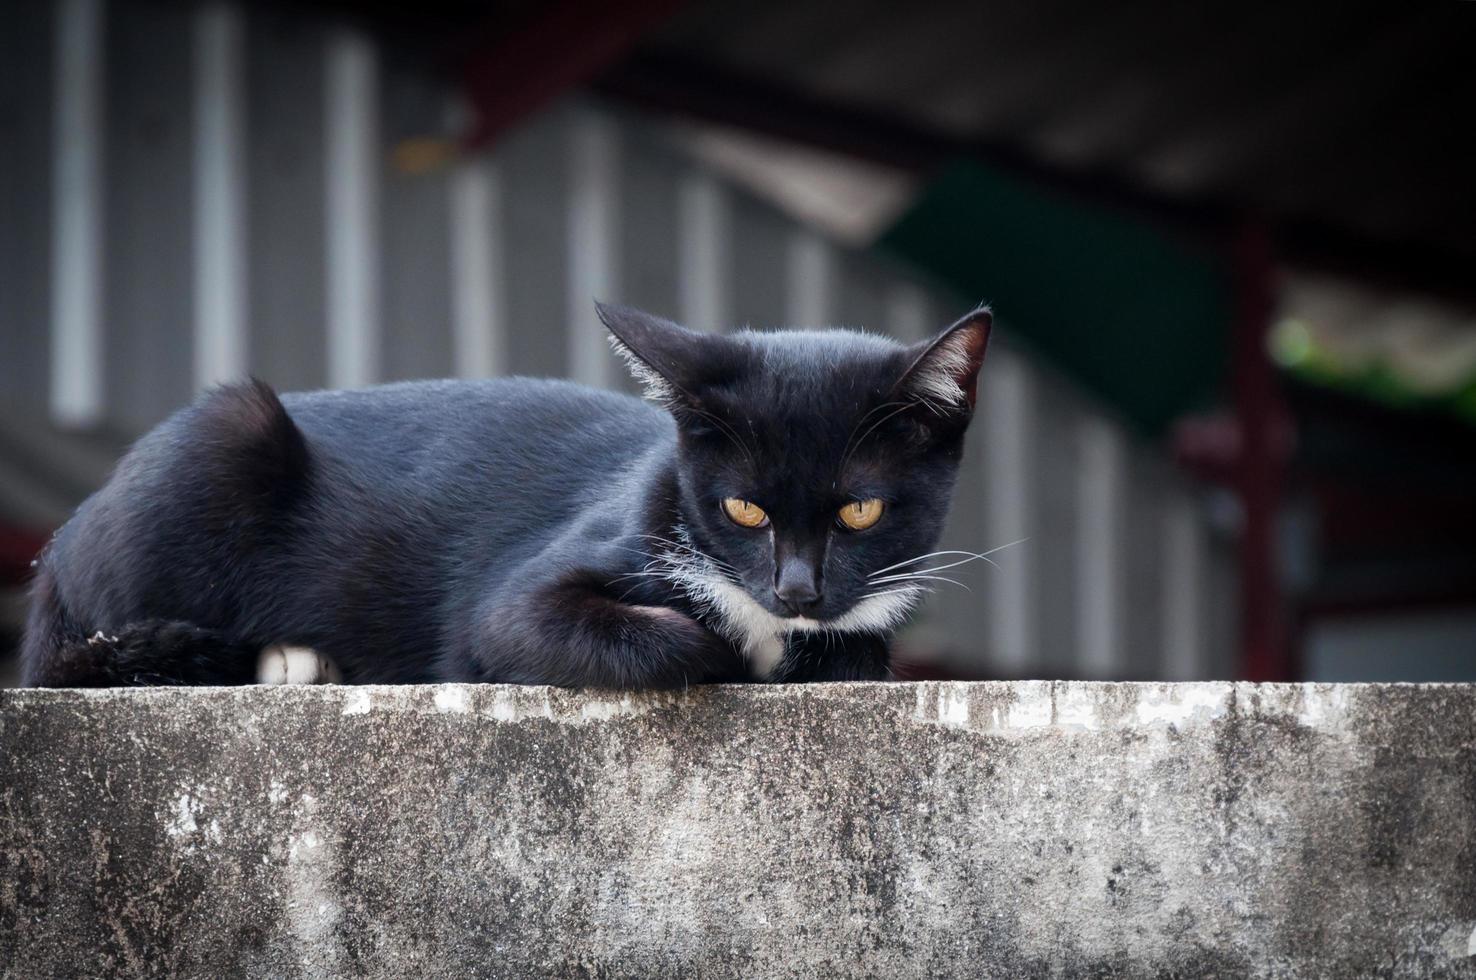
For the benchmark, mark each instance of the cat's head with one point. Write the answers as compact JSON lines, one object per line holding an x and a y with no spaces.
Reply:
{"x":810,"y":463}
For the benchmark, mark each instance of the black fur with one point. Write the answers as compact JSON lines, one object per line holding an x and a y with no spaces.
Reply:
{"x":517,"y":530}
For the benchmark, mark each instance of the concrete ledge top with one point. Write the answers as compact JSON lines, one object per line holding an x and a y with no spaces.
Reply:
{"x":996,"y":829}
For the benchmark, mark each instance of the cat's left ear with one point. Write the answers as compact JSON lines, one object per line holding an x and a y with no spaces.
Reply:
{"x":945,"y":373}
{"x":671,"y":362}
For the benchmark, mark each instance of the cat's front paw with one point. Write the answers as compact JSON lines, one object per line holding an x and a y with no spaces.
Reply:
{"x":815,"y":657}
{"x":695,"y":653}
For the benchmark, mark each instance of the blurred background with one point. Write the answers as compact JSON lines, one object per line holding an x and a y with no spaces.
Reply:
{"x":1231,"y":404}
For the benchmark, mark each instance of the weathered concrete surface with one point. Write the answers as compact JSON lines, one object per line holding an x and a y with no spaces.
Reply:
{"x":1009,"y":830}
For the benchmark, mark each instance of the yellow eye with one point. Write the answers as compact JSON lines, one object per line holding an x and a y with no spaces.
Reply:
{"x":744,"y":513}
{"x":858,"y":515}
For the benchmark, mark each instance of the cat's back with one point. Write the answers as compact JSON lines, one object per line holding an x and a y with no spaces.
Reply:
{"x":449,"y":397}
{"x":254,"y":485}
{"x":243,"y":454}
{"x":420,"y":424}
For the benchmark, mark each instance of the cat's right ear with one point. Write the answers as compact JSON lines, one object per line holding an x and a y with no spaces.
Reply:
{"x":671,"y":362}
{"x":945,"y":372}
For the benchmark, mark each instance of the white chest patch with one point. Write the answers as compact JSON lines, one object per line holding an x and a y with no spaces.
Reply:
{"x":764,"y":656}
{"x":760,"y":634}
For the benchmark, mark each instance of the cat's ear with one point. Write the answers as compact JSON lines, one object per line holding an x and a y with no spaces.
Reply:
{"x":670,"y":362}
{"x":944,"y":374}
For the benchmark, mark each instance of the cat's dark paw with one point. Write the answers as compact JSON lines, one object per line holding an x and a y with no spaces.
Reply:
{"x":810,"y":658}
{"x":693,"y":653}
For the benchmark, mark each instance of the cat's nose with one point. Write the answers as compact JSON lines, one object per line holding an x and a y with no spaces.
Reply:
{"x":797,"y":590}
{"x":796,"y":579}
{"x":799,"y":599}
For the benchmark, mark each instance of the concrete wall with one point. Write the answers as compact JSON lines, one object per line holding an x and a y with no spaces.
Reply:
{"x":1007,"y":830}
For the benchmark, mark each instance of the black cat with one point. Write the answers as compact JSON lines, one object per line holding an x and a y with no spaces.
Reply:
{"x":768,"y":524}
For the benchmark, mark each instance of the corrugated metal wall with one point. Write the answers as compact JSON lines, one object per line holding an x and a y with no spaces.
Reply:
{"x":212,"y":195}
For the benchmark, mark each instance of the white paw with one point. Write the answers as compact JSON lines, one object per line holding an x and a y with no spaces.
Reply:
{"x":280,"y":664}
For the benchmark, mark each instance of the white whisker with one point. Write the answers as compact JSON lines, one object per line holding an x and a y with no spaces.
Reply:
{"x":644,"y":574}
{"x":905,"y":590}
{"x":955,"y":564}
{"x":910,"y":561}
{"x":637,"y":551}
{"x":697,"y":552}
{"x":972,"y":556}
{"x":919,"y":577}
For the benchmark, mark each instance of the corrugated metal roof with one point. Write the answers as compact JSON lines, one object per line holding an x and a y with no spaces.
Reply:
{"x":1352,"y":115}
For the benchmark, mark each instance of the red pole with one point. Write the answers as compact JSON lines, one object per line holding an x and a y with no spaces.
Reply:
{"x":1261,"y":418}
{"x":562,"y":45}
{"x":18,"y":547}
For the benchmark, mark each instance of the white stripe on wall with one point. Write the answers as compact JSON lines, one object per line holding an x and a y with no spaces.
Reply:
{"x":219,"y":212}
{"x":77,"y":216}
{"x":909,"y":314}
{"x":352,"y":160}
{"x":811,"y":280}
{"x":593,"y":242}
{"x":1008,"y":392}
{"x":1184,"y":560}
{"x":478,"y":277}
{"x":704,"y":252}
{"x":1099,"y":588}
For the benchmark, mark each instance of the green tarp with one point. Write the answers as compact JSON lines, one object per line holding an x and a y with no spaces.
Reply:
{"x":1137,"y":317}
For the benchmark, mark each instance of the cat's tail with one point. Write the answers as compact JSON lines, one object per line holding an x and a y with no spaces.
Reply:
{"x":229,"y":465}
{"x":55,"y":653}
{"x":148,"y":653}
